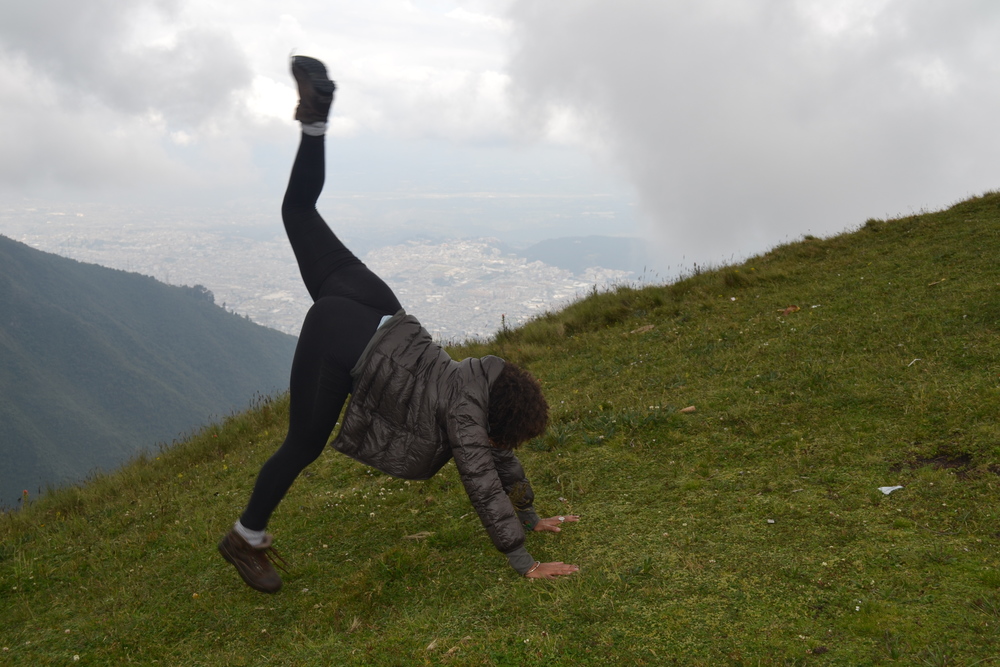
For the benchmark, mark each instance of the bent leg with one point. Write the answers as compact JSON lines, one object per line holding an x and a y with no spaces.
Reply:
{"x":333,"y":336}
{"x":328,"y":268}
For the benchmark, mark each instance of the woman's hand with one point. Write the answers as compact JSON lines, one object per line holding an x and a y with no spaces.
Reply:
{"x":551,"y":570}
{"x":555,"y":523}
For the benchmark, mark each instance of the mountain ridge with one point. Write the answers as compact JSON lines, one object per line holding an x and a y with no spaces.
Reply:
{"x":99,"y":364}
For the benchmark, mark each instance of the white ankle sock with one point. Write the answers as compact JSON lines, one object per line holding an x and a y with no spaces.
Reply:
{"x":314,"y":129}
{"x":253,"y":537}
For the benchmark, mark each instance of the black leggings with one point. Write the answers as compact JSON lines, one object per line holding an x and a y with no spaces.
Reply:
{"x":348,"y":303}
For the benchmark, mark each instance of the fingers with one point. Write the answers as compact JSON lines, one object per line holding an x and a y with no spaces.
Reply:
{"x":552,"y":524}
{"x":563,"y":568}
{"x":557,"y":569}
{"x":552,"y":570}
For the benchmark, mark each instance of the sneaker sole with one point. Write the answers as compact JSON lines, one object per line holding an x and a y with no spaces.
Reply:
{"x":315,"y":74}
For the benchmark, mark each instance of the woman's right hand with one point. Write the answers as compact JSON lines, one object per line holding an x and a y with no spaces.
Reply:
{"x":552,"y":570}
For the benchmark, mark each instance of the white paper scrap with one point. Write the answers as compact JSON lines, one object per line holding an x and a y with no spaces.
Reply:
{"x":888,"y":489}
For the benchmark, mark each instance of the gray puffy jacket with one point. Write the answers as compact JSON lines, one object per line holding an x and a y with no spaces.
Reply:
{"x":414,"y":408}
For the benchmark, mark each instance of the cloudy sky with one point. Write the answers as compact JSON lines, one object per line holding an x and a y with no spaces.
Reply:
{"x":732,"y":125}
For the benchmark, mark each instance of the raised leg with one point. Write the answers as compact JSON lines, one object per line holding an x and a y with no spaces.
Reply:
{"x":327,"y":266}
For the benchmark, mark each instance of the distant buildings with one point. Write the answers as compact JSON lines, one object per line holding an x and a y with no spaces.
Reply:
{"x":458,"y":289}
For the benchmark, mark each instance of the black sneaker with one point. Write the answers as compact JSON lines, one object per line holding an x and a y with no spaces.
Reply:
{"x":253,"y":563}
{"x":315,"y":90}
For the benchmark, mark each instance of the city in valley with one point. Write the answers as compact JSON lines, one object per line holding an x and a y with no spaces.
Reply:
{"x":459,"y":289}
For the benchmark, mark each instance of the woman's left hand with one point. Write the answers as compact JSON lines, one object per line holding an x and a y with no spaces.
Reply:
{"x":554,"y":524}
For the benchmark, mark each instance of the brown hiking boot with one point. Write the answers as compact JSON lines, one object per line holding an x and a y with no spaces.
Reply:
{"x":315,"y":90}
{"x":253,"y":563}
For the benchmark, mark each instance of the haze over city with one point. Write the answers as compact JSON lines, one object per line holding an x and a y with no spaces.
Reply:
{"x":712,"y":130}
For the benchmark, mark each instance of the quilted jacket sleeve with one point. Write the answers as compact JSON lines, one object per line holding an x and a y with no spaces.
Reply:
{"x":474,"y":459}
{"x":516,"y":486}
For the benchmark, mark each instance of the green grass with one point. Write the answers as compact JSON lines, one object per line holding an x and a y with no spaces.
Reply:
{"x":749,"y":532}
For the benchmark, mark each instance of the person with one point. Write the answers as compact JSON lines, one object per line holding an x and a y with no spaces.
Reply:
{"x":412,"y":408}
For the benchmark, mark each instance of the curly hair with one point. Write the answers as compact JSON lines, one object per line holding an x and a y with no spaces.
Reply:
{"x":518,"y":411}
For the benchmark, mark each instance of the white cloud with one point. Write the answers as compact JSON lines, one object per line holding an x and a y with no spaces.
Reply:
{"x":270,"y":99}
{"x":181,"y":138}
{"x":166,"y":93}
{"x":480,"y":20}
{"x":934,"y":76}
{"x":838,"y":19}
{"x":744,"y":123}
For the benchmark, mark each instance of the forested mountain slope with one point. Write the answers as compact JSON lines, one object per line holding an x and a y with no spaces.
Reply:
{"x":97,"y":364}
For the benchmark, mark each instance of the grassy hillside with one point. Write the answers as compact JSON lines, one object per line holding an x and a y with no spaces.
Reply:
{"x":748,"y":532}
{"x":97,"y":364}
